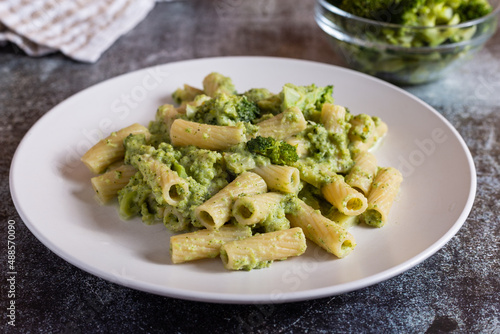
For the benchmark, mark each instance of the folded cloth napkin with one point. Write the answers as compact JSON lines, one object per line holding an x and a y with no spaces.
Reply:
{"x":80,"y":29}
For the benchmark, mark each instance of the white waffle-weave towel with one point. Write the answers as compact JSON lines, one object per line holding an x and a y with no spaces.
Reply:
{"x":80,"y":29}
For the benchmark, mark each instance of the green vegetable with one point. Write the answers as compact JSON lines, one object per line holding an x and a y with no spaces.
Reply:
{"x":328,"y":154}
{"x":279,"y":152}
{"x":417,"y":12}
{"x":134,"y":145}
{"x":202,"y":169}
{"x":426,"y":13}
{"x":328,"y":146}
{"x":473,"y":9}
{"x":390,"y":52}
{"x":226,"y":110}
{"x":134,"y":199}
{"x":309,"y":99}
{"x":392,"y":11}
{"x":266,"y":101}
{"x":215,"y":84}
{"x":186,"y":94}
{"x":258,"y":94}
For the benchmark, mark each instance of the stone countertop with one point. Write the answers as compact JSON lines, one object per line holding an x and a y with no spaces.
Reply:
{"x":455,"y":290}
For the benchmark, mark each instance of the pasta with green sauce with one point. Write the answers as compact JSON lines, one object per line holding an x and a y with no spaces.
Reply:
{"x":248,"y":176}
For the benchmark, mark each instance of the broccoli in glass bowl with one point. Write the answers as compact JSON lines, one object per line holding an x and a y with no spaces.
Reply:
{"x":407,"y":41}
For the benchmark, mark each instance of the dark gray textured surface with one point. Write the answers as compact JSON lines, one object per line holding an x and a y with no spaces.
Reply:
{"x":455,"y":290}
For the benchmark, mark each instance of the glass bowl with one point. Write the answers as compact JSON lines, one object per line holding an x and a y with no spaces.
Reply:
{"x":404,"y":55}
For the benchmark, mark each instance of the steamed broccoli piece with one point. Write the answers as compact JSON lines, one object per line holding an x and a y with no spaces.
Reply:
{"x":473,"y":9}
{"x":268,"y":102}
{"x":247,"y":110}
{"x":391,"y":11}
{"x":258,"y":94}
{"x":410,"y":13}
{"x":417,"y":12}
{"x":237,"y":159}
{"x":215,"y":84}
{"x":326,"y":146}
{"x":279,"y":152}
{"x":309,"y":99}
{"x":226,"y":110}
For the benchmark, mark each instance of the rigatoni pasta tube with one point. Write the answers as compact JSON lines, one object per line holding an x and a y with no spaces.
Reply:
{"x":333,"y":117}
{"x":167,"y":113}
{"x":261,"y":250}
{"x":107,"y":185}
{"x":186,"y":94}
{"x":285,"y":179}
{"x":215,"y":83}
{"x":211,"y":137}
{"x":165,"y":183}
{"x":322,"y":231}
{"x":362,"y":173}
{"x":203,"y":244}
{"x":174,"y":220}
{"x":374,"y":136}
{"x":217,"y":210}
{"x":283,"y":125}
{"x":362,"y":128}
{"x":384,"y":189}
{"x":299,"y":144}
{"x":110,"y":149}
{"x":250,"y":210}
{"x":346,"y":199}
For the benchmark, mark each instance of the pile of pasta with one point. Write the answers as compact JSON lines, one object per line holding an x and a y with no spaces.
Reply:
{"x":191,"y":170}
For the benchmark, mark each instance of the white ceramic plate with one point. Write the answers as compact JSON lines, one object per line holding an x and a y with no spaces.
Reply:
{"x":52,"y":192}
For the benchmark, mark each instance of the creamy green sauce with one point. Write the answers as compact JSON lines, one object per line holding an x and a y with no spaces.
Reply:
{"x":372,"y":218}
{"x":202,"y":169}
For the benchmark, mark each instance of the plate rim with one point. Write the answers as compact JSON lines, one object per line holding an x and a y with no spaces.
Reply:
{"x":231,"y":298}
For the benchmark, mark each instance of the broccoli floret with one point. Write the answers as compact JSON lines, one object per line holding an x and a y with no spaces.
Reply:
{"x":215,"y":84}
{"x":427,"y":13}
{"x":226,"y":110}
{"x":392,"y":11}
{"x":247,"y":110}
{"x":403,"y":66}
{"x":237,"y":159}
{"x":309,"y":99}
{"x":473,"y":9}
{"x":268,"y":102}
{"x":279,"y":152}
{"x":417,"y":12}
{"x":325,"y":145}
{"x":257,"y":94}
